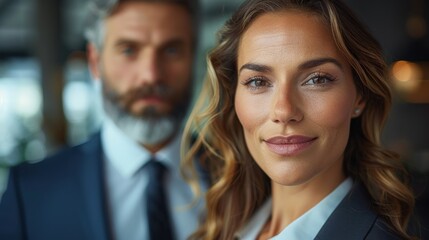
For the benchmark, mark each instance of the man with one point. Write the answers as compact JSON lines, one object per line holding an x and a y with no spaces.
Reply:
{"x":141,"y":53}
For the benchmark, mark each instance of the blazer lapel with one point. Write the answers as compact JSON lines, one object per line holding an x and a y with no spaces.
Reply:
{"x":352,"y":219}
{"x":94,"y":194}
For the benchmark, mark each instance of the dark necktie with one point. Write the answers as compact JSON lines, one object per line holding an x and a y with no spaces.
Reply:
{"x":159,"y":221}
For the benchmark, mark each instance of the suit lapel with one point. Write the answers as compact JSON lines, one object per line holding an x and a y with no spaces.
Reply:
{"x":92,"y":184}
{"x":352,"y":219}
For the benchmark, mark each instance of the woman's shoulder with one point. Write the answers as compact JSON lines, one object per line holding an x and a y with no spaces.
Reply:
{"x":355,"y":218}
{"x":381,"y":231}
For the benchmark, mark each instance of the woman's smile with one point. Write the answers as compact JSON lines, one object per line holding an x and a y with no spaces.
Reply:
{"x":289,"y":145}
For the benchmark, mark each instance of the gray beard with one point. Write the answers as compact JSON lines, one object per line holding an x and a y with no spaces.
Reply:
{"x":148,"y":128}
{"x":144,"y":130}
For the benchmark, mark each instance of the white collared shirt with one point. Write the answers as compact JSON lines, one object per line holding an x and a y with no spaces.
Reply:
{"x":306,"y":226}
{"x":126,"y":180}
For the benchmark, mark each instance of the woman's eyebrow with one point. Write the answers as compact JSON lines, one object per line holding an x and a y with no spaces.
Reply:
{"x":255,"y":67}
{"x":319,"y":61}
{"x":305,"y":65}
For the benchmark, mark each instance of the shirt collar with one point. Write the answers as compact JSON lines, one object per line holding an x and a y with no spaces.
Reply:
{"x":170,"y":154}
{"x":127,"y":156}
{"x":305,"y":227}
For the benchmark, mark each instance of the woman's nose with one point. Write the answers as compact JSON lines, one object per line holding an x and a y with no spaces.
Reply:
{"x":286,"y":106}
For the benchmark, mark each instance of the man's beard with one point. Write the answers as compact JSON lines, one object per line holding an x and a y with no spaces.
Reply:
{"x":150,"y":126}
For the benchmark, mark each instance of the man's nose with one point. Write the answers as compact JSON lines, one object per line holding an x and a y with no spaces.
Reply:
{"x":149,"y":68}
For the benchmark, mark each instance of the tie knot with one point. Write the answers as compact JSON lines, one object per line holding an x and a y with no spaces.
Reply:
{"x":156,"y":168}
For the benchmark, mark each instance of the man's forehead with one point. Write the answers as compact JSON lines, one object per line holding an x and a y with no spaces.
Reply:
{"x":153,"y":14}
{"x":149,"y":23}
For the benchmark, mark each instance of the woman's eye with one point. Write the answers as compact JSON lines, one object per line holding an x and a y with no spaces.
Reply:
{"x":318,"y":80}
{"x":256,"y":83}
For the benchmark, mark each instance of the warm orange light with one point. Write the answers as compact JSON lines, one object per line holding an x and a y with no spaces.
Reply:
{"x":410,"y":80}
{"x":406,"y":71}
{"x":407,"y":75}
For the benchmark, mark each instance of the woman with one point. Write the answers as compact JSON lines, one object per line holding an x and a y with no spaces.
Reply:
{"x":290,"y":119}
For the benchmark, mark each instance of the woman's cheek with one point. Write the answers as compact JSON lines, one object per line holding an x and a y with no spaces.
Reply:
{"x":331,"y":111}
{"x":251,"y":110}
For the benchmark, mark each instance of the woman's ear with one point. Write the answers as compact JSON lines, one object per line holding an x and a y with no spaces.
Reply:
{"x":359,"y":106}
{"x":93,"y":60}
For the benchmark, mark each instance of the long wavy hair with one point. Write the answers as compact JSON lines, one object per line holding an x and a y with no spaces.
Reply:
{"x":239,"y":186}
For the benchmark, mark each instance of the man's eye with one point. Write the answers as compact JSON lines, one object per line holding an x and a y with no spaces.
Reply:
{"x":128,"y":51}
{"x":172,"y":51}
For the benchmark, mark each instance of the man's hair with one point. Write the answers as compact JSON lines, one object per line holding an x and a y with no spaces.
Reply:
{"x":99,"y":10}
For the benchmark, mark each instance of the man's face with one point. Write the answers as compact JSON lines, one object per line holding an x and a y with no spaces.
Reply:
{"x":145,"y":64}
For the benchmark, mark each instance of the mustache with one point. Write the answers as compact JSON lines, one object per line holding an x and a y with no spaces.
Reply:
{"x":157,"y":91}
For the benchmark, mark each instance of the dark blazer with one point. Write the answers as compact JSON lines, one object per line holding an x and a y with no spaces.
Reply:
{"x":61,"y":197}
{"x":355,"y":219}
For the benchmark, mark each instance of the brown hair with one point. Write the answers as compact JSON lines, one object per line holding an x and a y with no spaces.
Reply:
{"x":239,"y":185}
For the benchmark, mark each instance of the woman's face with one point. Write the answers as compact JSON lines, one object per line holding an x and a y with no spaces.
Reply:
{"x":295,"y":97}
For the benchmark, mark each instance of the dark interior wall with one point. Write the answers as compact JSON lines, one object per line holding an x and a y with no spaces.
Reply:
{"x":386,"y":20}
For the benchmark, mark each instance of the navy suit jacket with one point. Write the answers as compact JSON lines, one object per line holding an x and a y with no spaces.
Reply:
{"x":355,"y":219}
{"x":62,"y":197}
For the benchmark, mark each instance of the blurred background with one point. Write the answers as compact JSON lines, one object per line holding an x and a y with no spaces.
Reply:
{"x":47,"y":100}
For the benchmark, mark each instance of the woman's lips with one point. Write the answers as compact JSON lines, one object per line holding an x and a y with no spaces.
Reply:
{"x":289,"y":146}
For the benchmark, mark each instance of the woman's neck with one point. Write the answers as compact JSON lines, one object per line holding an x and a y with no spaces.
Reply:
{"x":291,"y":202}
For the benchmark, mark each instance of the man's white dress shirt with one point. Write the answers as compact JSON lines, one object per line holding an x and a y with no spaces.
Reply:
{"x":126,"y":180}
{"x":306,"y":226}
